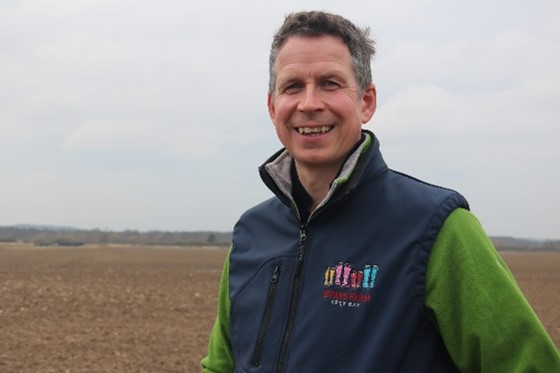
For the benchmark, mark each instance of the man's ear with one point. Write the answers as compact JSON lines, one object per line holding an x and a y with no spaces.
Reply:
{"x":271,"y":108}
{"x":369,"y":103}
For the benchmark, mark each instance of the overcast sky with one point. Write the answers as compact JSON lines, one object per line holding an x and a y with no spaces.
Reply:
{"x":152,"y":115}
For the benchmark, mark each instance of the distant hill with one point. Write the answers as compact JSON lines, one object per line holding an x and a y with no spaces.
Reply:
{"x":517,"y":244}
{"x":69,"y":236}
{"x":58,"y":235}
{"x":45,"y":227}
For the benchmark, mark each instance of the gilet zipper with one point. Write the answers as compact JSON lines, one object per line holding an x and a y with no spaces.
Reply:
{"x":293,"y":301}
{"x":257,"y":353}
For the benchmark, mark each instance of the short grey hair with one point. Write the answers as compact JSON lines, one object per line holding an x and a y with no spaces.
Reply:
{"x":317,"y":23}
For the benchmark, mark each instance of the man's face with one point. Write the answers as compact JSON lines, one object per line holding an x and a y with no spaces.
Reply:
{"x":317,"y":107}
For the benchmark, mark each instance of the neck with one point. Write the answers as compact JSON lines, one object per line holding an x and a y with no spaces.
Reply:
{"x":316,"y":181}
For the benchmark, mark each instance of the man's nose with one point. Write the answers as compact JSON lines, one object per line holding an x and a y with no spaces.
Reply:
{"x":310,"y":100}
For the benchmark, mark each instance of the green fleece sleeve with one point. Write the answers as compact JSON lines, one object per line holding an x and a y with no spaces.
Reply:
{"x":485,"y":321}
{"x":220,"y":357}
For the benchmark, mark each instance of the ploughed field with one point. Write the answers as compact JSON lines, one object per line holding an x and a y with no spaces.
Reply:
{"x":139,"y":309}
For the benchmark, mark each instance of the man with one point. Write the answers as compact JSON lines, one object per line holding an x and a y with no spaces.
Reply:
{"x":353,"y":267}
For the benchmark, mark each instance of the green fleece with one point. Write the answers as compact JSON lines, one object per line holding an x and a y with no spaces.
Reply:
{"x":485,"y":321}
{"x":220,"y":356}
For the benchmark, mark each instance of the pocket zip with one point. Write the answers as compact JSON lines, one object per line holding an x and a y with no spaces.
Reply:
{"x":257,"y":354}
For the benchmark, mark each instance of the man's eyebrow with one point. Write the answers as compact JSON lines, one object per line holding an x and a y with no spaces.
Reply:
{"x":294,"y":77}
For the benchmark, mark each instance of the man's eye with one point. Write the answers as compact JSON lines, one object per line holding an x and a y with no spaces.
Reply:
{"x":293,"y":88}
{"x":330,"y":84}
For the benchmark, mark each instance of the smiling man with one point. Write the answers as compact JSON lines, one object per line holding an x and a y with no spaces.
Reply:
{"x":318,"y":108}
{"x":351,"y":266}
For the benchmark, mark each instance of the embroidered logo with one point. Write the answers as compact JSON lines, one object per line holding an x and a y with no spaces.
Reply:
{"x":349,"y":287}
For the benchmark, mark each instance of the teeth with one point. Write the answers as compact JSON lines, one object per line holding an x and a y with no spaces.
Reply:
{"x":314,"y":130}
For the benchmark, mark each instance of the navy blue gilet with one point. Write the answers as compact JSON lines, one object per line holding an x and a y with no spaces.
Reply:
{"x":343,"y":292}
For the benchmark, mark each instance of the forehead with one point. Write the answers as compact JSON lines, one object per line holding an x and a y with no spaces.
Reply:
{"x":301,"y":51}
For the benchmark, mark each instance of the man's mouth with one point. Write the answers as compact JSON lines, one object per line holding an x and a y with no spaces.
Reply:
{"x":314,"y":131}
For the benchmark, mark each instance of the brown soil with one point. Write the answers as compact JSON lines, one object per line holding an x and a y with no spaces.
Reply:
{"x":134,"y":309}
{"x":538,"y":276}
{"x":106,"y":309}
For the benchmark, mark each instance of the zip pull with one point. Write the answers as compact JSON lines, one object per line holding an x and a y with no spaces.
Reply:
{"x":301,"y":251}
{"x":275,"y":275}
{"x":302,"y":233}
{"x":302,"y":239}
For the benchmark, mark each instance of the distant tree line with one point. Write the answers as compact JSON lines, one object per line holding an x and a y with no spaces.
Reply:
{"x":77,"y":237}
{"x":519,"y":244}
